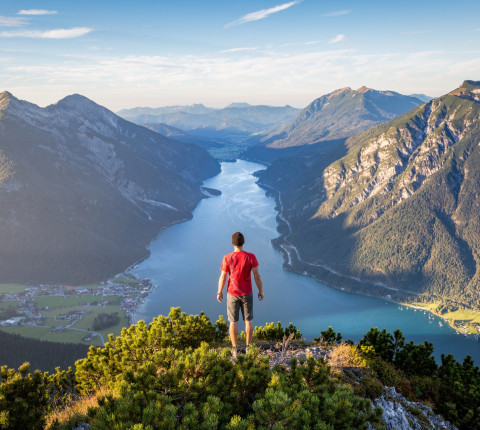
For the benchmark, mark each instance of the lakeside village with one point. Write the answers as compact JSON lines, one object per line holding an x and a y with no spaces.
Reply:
{"x":59,"y":307}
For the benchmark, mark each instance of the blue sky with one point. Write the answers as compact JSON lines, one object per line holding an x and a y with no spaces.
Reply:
{"x":154,"y":53}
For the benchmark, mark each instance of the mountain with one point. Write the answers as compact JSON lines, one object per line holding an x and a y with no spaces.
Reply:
{"x":398,"y":214}
{"x":168,"y":131}
{"x":87,"y":190}
{"x":340,"y":114}
{"x":226,"y":133}
{"x":424,"y":98}
{"x":238,"y":117}
{"x":135,"y":113}
{"x":182,"y":136}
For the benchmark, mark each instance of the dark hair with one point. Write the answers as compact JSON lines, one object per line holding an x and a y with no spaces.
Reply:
{"x":238,"y":239}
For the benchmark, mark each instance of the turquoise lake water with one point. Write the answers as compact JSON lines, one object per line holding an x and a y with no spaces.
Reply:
{"x":185,"y":265}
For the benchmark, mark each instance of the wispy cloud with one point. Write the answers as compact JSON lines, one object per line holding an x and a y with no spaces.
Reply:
{"x":261,"y":14}
{"x":8,"y":21}
{"x":308,"y":43}
{"x":61,"y":33}
{"x":337,"y":38}
{"x":246,"y":49}
{"x":36,"y":12}
{"x":269,"y":76}
{"x":338,"y":12}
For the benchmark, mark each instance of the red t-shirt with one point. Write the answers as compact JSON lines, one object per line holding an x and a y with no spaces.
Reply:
{"x":239,"y":265}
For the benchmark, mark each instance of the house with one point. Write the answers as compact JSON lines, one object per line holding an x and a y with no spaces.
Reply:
{"x":12,"y":321}
{"x":89,"y":336}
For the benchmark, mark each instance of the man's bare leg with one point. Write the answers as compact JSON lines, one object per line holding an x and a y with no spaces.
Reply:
{"x":248,"y":331}
{"x":233,"y":330}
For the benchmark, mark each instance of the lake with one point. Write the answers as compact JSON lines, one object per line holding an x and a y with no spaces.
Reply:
{"x":185,"y":265}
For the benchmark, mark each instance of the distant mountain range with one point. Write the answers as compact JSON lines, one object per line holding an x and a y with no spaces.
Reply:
{"x":239,"y":118}
{"x":340,"y":114}
{"x":424,"y":98}
{"x":229,"y":132}
{"x":83,"y":191}
{"x":398,"y":214}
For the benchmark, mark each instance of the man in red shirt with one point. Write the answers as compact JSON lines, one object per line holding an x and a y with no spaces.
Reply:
{"x":238,"y":265}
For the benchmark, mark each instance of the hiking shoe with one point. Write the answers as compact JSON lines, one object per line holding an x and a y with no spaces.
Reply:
{"x":234,"y":352}
{"x":247,"y":349}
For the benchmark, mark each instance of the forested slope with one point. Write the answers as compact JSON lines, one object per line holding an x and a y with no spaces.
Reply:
{"x":15,"y":350}
{"x":83,"y":191}
{"x":401,"y":208}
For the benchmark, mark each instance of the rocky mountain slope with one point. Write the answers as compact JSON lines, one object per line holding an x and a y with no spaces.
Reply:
{"x":340,"y":114}
{"x":89,"y":190}
{"x":398,"y":214}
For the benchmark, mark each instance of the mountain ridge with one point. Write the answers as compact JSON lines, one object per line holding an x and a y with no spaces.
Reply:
{"x":90,"y":190}
{"x":340,"y":114}
{"x":398,"y":209}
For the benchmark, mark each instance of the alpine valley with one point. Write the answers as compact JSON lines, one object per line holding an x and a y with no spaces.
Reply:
{"x":83,"y":191}
{"x":398,"y":214}
{"x":225,"y":132}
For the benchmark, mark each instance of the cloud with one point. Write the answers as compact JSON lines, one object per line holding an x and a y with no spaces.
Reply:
{"x":261,"y":14}
{"x":308,"y":43}
{"x":227,"y":51}
{"x":338,"y":12}
{"x":271,"y":76}
{"x":61,"y":33}
{"x":337,"y":38}
{"x":7,"y":21}
{"x":36,"y":12}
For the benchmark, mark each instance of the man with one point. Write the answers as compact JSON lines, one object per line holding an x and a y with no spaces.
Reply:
{"x":238,"y":265}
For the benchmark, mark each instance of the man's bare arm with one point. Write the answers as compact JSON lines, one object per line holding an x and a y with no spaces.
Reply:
{"x":221,"y":284}
{"x":258,"y":281}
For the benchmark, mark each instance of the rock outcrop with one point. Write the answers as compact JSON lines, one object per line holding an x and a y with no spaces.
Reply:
{"x":402,"y":414}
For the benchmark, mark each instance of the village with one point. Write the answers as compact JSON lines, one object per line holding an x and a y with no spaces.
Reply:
{"x":84,"y":312}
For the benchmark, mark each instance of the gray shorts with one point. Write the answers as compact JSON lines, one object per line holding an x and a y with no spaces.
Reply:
{"x":237,"y":303}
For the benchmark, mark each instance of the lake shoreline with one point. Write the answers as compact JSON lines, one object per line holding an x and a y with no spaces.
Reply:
{"x":452,"y":322}
{"x":307,"y":301}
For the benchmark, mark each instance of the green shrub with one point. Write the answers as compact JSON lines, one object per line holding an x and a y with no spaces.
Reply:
{"x":174,"y":374}
{"x":369,"y":387}
{"x":329,"y":337}
{"x":204,"y":388}
{"x":276,"y":332}
{"x":26,"y":397}
{"x":138,"y":344}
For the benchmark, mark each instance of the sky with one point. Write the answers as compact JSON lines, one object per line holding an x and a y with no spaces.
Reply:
{"x":124,"y":54}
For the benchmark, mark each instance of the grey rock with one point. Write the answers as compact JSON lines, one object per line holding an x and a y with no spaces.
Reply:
{"x":402,"y":414}
{"x":82,"y":426}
